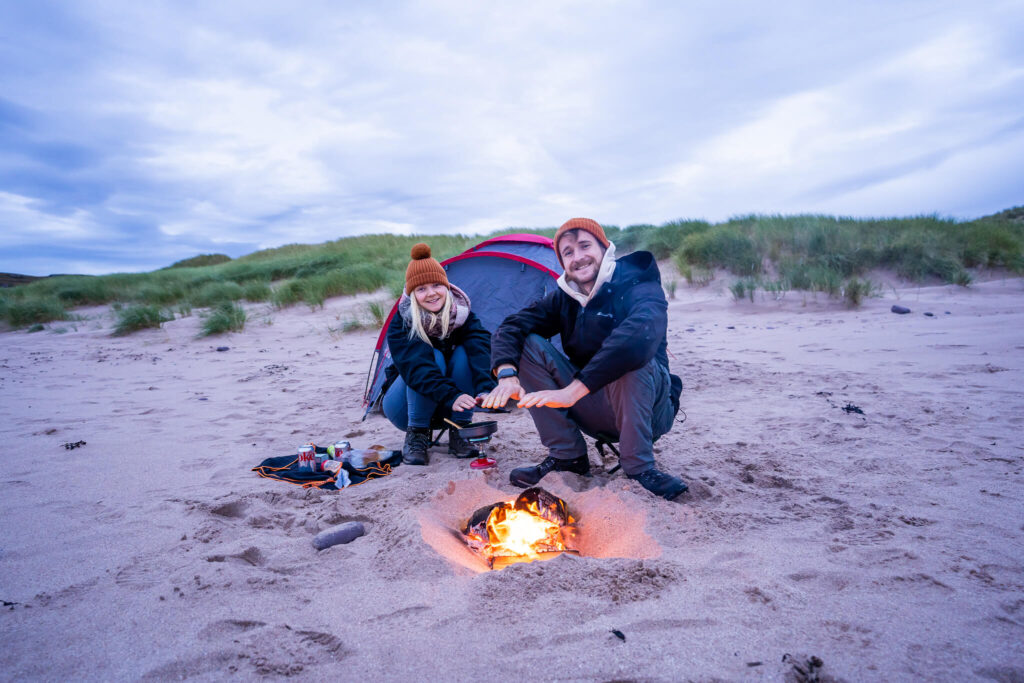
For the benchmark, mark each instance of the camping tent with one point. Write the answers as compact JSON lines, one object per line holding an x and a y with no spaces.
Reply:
{"x":501,"y":276}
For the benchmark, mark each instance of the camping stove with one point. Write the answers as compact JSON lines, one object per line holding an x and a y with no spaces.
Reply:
{"x":479,"y":434}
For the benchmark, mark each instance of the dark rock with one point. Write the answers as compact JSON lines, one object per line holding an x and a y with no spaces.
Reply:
{"x":223,"y":348}
{"x":902,"y":310}
{"x":929,"y":314}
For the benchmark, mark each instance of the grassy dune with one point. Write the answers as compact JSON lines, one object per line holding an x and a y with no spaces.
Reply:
{"x":770,"y":253}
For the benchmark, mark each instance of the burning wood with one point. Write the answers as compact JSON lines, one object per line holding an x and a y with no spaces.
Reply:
{"x":535,"y":526}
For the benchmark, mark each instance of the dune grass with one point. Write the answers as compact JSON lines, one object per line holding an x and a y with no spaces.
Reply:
{"x":32,"y":310}
{"x":832,"y":255}
{"x":226,"y":316}
{"x":139,"y":317}
{"x":775,"y":254}
{"x":201,"y":260}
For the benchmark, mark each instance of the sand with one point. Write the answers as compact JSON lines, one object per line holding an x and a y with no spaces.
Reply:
{"x":888,"y":542}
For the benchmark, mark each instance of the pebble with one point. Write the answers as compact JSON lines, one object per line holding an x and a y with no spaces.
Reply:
{"x":223,"y":348}
{"x":902,"y":310}
{"x":929,"y":314}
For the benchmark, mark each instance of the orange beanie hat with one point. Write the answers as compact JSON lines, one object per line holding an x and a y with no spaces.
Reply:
{"x":585,"y":224}
{"x":422,"y":269}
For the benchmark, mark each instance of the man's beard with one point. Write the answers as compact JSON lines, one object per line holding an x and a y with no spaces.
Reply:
{"x":572,"y":277}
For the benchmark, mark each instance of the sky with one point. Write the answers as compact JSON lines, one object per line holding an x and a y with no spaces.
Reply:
{"x":136,"y":134}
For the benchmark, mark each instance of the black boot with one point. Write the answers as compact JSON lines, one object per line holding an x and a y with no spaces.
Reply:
{"x":417,"y":440}
{"x":526,"y":477}
{"x":660,"y":484}
{"x":459,"y":447}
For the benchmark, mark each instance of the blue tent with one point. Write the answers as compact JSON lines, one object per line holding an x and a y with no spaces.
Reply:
{"x":501,"y":276}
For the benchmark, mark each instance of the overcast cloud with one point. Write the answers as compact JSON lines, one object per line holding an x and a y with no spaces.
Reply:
{"x":134,"y":134}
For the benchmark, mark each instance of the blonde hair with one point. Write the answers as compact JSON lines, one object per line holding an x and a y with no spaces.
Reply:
{"x":416,"y":313}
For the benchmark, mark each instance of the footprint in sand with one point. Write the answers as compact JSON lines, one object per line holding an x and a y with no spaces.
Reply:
{"x":252,"y":648}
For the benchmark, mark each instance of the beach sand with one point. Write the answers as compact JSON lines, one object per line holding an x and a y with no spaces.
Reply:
{"x":888,"y":543}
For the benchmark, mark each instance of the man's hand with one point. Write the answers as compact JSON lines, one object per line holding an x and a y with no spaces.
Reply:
{"x":565,"y":397}
{"x":507,"y":388}
{"x":464,"y":402}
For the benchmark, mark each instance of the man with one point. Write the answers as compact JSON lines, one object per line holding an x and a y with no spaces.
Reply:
{"x":612,"y":318}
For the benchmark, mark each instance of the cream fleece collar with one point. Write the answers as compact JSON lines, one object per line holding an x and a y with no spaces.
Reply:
{"x":604,"y":274}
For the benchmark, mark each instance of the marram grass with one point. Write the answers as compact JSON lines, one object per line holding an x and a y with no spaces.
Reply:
{"x":139,"y":317}
{"x":227,"y":316}
{"x":816,"y":253}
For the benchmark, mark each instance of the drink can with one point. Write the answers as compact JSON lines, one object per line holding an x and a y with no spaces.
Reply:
{"x":307,"y":457}
{"x":319,"y":459}
{"x":339,"y":449}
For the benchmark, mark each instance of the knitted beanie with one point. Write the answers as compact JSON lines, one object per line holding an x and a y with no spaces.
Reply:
{"x":423,"y":270}
{"x":585,"y":224}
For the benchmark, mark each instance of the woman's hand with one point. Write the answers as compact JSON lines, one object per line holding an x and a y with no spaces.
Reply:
{"x":464,"y":402}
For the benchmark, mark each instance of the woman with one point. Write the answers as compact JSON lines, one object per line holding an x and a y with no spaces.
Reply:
{"x":443,"y":357}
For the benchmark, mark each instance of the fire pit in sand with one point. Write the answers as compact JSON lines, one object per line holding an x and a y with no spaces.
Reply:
{"x":535,"y":526}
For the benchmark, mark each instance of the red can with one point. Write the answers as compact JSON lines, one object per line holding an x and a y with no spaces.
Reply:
{"x":307,"y":457}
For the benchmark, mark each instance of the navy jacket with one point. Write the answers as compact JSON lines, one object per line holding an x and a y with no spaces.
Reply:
{"x":620,"y":330}
{"x":414,"y":359}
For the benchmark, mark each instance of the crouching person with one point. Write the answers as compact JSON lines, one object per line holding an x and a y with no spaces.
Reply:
{"x":442,"y":354}
{"x":611,"y":316}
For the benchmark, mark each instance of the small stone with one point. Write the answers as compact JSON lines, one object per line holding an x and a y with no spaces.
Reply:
{"x":223,"y":348}
{"x":901,"y":310}
{"x":929,"y":314}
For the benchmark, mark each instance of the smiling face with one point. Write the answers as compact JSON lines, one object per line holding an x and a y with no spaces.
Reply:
{"x":431,"y":297}
{"x":581,"y":257}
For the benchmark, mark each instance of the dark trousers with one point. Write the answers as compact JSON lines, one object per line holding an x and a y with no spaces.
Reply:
{"x":634,"y":410}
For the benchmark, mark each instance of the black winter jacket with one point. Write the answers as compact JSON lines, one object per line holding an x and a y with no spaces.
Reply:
{"x":414,"y":359}
{"x":620,"y":330}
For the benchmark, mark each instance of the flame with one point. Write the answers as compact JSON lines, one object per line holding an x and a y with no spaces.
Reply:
{"x":523,"y":531}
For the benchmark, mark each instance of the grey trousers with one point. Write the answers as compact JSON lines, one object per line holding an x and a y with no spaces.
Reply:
{"x":634,"y":410}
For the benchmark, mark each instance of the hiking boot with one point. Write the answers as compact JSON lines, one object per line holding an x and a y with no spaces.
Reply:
{"x":525,"y":477}
{"x":660,"y":484}
{"x":417,"y":441}
{"x":459,"y":447}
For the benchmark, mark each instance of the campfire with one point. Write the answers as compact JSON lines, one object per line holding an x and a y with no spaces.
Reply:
{"x":535,"y":526}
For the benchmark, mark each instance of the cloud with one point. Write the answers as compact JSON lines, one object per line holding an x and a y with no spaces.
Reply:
{"x":807,"y":151}
{"x":143,"y":133}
